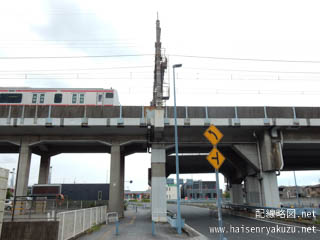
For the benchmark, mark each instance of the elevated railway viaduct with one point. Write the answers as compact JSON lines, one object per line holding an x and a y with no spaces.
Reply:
{"x":258,"y":143}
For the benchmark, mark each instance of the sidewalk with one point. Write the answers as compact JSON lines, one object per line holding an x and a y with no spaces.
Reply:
{"x":137,"y":225}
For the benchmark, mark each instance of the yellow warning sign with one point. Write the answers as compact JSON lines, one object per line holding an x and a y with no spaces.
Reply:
{"x":215,"y":158}
{"x":213,"y":135}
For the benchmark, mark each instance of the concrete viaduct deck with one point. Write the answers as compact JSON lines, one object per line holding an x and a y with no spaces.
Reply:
{"x":258,"y":143}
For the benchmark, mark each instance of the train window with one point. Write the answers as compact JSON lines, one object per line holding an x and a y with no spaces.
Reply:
{"x":82,"y":98}
{"x":109,"y":95}
{"x":42,"y":98}
{"x":10,"y":98}
{"x":58,"y":98}
{"x":34,"y":98}
{"x":74,"y":98}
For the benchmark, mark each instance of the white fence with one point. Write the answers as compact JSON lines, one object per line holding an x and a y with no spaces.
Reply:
{"x":75,"y":222}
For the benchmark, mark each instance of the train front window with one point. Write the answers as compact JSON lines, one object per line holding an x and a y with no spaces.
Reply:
{"x":82,"y":98}
{"x":34,"y":98}
{"x":74,"y":98}
{"x":109,"y":95}
{"x":58,"y":98}
{"x":42,"y":98}
{"x":10,"y":98}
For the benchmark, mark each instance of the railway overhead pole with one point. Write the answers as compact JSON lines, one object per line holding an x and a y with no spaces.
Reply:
{"x":160,"y":87}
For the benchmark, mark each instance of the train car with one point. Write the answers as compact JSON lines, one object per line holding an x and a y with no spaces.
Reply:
{"x":58,"y":96}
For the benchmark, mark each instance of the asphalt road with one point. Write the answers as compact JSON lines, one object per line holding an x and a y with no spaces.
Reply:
{"x":240,"y":227}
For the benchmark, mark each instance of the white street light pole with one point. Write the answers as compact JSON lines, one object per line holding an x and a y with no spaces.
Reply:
{"x":177,"y":151}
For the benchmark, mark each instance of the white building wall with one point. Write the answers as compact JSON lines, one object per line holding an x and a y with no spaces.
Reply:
{"x":171,"y":192}
{"x":4,"y":173}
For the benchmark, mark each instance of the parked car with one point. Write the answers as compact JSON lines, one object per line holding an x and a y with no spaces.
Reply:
{"x":8,"y":205}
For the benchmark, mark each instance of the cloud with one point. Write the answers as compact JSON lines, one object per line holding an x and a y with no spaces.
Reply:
{"x":71,"y":26}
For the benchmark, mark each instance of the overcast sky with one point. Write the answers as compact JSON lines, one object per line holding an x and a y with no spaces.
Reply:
{"x":244,"y":53}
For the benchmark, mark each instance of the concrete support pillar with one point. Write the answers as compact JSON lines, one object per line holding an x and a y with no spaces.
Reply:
{"x":270,"y":190}
{"x":116,"y":196}
{"x":263,"y":191}
{"x":4,"y":174}
{"x":158,"y":184}
{"x":23,"y":169}
{"x":236,"y":194}
{"x":44,"y":169}
{"x":253,"y":191}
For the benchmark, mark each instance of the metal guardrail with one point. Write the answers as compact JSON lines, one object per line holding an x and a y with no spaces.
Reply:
{"x":235,"y":113}
{"x":210,"y":200}
{"x":112,"y":217}
{"x":32,"y":208}
{"x":172,"y":219}
{"x":75,"y":222}
{"x":143,"y":205}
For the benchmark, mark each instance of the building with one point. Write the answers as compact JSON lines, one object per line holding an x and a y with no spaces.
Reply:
{"x":291,"y":191}
{"x":136,"y":195}
{"x":199,"y":189}
{"x":172,"y":192}
{"x":313,"y":190}
{"x":76,"y":192}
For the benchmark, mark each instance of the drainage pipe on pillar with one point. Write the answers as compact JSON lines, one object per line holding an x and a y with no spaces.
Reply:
{"x":260,"y":168}
{"x":274,"y":133}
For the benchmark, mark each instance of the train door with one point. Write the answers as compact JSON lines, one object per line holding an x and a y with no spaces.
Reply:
{"x":99,"y":98}
{"x":38,"y":98}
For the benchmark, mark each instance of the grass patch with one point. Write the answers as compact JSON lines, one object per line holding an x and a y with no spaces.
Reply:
{"x":93,"y":229}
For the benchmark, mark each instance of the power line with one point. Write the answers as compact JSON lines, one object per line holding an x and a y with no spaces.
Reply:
{"x":72,"y":47}
{"x":76,"y":69}
{"x":186,"y":91}
{"x":255,"y":71}
{"x":246,"y":59}
{"x":249,"y":91}
{"x":174,"y":55}
{"x":77,"y":77}
{"x":69,"y":57}
{"x":241,"y":79}
{"x":69,"y":40}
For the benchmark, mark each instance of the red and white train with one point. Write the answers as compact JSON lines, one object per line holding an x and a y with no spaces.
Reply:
{"x":58,"y":96}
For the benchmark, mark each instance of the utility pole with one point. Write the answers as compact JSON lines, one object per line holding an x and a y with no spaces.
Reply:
{"x":297,"y":190}
{"x":159,"y":69}
{"x":50,"y":175}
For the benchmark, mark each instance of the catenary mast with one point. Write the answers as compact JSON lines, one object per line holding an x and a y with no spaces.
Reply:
{"x":159,"y":69}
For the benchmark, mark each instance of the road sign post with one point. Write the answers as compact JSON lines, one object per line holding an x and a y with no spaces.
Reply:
{"x":216,"y":159}
{"x":219,"y":204}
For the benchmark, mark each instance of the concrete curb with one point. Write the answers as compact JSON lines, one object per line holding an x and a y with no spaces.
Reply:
{"x":191,"y":231}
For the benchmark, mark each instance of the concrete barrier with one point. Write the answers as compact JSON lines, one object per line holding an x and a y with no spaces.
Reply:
{"x":4,"y":173}
{"x":30,"y":230}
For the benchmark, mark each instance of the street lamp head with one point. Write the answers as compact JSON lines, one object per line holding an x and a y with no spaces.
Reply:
{"x":177,"y":65}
